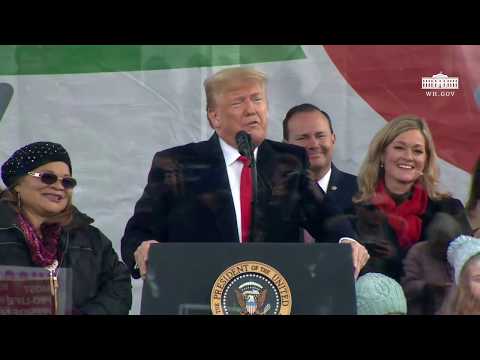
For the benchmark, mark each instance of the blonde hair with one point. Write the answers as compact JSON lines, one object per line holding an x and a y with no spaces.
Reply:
{"x":462,"y":301}
{"x":226,"y":79}
{"x":370,"y":171}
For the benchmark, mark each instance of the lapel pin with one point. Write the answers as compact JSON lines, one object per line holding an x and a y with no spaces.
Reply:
{"x":333,"y":188}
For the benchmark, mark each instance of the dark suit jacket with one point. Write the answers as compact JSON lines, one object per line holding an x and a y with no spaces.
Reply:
{"x":342,"y":187}
{"x":188,"y":199}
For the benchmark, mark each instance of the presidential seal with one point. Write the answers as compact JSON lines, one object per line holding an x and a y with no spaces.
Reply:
{"x":251,"y":288}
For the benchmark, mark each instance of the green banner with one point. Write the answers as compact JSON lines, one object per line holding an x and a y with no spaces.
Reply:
{"x":77,"y":59}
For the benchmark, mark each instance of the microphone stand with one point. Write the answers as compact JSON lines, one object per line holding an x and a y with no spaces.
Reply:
{"x":246,"y":148}
{"x":253,"y":169}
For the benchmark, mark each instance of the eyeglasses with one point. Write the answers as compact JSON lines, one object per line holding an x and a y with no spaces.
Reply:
{"x":49,"y":179}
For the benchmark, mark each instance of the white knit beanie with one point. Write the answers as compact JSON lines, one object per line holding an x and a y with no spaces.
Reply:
{"x":460,"y":251}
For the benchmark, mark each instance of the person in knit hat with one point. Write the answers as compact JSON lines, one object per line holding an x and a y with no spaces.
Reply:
{"x":428,"y":275}
{"x":31,"y":157}
{"x":378,"y":294}
{"x":39,"y":227}
{"x":464,"y":256}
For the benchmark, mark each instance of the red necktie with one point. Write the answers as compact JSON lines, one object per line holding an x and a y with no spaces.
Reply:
{"x":246,"y":198}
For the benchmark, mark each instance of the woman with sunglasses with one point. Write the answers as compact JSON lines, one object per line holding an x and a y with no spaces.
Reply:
{"x":39,"y":227}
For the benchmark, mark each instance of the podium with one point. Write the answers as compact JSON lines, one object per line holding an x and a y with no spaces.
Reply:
{"x":249,"y":279}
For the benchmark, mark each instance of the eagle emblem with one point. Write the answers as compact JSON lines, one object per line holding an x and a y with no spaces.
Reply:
{"x":250,"y":288}
{"x":251,"y":298}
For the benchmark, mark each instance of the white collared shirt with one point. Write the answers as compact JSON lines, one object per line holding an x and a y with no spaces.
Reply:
{"x":323,"y":182}
{"x":234,"y":172}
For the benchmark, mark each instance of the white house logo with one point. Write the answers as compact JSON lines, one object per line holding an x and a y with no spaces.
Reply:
{"x":440,"y":85}
{"x":251,"y":288}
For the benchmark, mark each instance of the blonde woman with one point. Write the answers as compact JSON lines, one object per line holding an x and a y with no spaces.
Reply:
{"x":398,"y":194}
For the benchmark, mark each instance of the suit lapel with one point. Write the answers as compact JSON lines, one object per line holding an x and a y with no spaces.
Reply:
{"x":216,"y":182}
{"x":333,"y":183}
{"x":265,"y":170}
{"x":265,"y":166}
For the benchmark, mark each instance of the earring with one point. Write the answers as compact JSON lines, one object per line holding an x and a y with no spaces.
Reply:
{"x":19,"y":201}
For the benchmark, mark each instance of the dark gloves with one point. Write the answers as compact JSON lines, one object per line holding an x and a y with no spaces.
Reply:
{"x":383,"y":249}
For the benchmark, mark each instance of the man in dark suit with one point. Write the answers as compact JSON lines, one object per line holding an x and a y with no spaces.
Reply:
{"x":194,"y":192}
{"x":307,"y":126}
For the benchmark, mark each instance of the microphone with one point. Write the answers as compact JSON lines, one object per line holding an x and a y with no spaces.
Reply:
{"x":244,"y":144}
{"x":245,"y":148}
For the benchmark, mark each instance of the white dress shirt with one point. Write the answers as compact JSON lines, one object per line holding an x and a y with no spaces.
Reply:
{"x":323,"y":182}
{"x":234,"y":172}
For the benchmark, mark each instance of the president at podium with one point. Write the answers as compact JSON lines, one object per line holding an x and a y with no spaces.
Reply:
{"x":232,"y":187}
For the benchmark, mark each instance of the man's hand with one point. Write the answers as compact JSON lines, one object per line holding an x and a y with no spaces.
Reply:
{"x":360,"y":254}
{"x":141,"y":256}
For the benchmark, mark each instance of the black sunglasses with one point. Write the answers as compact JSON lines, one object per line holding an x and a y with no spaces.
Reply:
{"x":49,"y":179}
